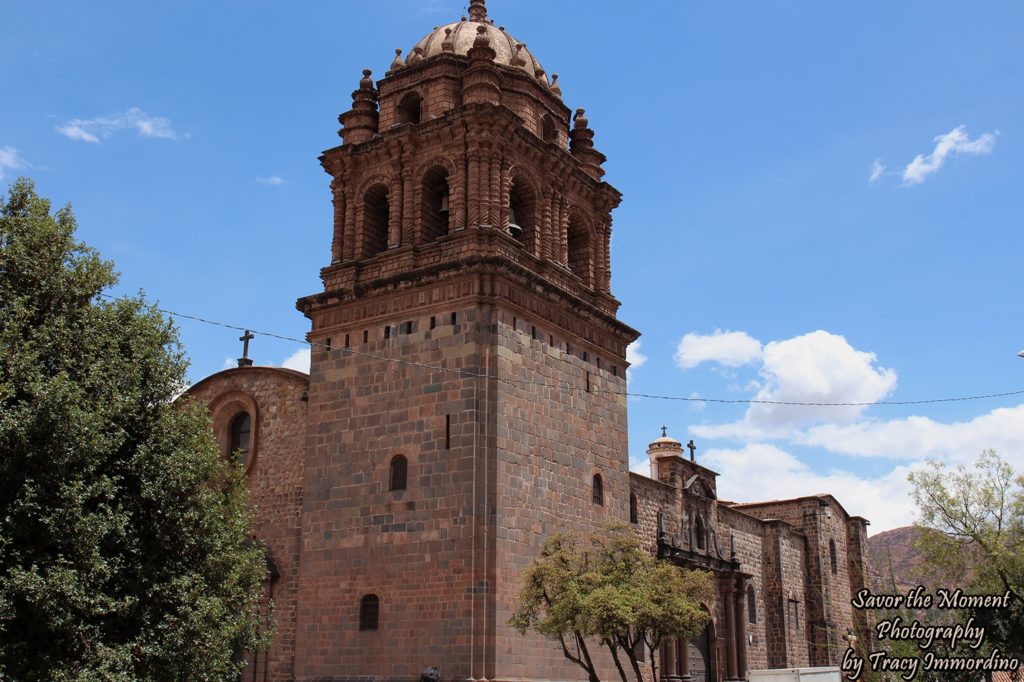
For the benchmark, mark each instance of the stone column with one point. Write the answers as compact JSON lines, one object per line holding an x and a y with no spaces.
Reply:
{"x":730,"y":629}
{"x":547,"y":199}
{"x":348,"y":242}
{"x":669,"y":672}
{"x":337,"y":243}
{"x":741,"y":626}
{"x":410,"y":195}
{"x":684,"y":661}
{"x":473,"y":191}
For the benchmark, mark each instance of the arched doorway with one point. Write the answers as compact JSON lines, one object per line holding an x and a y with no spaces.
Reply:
{"x":700,"y":657}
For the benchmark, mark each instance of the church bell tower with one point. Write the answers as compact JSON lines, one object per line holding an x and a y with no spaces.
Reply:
{"x":467,"y":384}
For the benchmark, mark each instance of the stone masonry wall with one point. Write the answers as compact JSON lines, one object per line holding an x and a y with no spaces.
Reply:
{"x":274,"y":399}
{"x":553,"y":436}
{"x":413,"y":548}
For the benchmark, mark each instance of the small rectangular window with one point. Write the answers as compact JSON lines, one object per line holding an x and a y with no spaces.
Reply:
{"x":615,"y":371}
{"x":551,"y":339}
{"x":568,"y":348}
{"x":454,"y":318}
{"x":533,"y":333}
{"x":586,"y":356}
{"x":433,"y":322}
{"x":346,"y":341}
{"x":408,"y":327}
{"x":366,"y":336}
{"x":387,"y":331}
{"x":588,"y":382}
{"x":514,"y":325}
{"x":328,"y":344}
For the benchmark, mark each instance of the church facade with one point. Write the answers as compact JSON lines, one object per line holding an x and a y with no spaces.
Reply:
{"x":466,"y":400}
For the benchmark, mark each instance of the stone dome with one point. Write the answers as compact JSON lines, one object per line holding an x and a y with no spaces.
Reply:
{"x":458,"y":37}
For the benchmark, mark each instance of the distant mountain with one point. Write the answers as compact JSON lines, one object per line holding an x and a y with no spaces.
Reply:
{"x":896,"y":546}
{"x":909,"y":568}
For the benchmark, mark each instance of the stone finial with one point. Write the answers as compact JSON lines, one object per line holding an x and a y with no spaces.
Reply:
{"x":477,"y":11}
{"x":541,"y":76}
{"x":360,"y":123}
{"x":398,"y":61}
{"x":448,"y":44}
{"x":581,"y":145}
{"x":481,"y":82}
{"x":554,"y":85}
{"x":517,"y":57}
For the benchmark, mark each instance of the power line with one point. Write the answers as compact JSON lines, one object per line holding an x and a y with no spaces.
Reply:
{"x":653,"y":396}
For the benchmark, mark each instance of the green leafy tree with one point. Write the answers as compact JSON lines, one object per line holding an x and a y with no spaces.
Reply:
{"x":972,"y":529}
{"x":125,"y":548}
{"x":606,"y":588}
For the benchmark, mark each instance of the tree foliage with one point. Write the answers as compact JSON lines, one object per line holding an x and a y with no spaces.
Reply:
{"x":606,"y":587}
{"x":125,"y":548}
{"x":972,"y":528}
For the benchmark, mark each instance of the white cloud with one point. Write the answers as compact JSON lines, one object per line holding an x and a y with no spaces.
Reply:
{"x":635,"y":358}
{"x":727,"y":348}
{"x":759,"y":472}
{"x":299,"y":360}
{"x":814,"y":368}
{"x":10,"y":160}
{"x":103,"y":127}
{"x":228,"y":364}
{"x":272,"y":180}
{"x":912,"y":438}
{"x":955,"y":141}
{"x":877,"y":169}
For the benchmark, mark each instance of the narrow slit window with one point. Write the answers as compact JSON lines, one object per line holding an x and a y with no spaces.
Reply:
{"x":387,"y":332}
{"x":598,"y":490}
{"x":369,"y":612}
{"x":399,"y":471}
{"x":455,"y":318}
{"x":239,"y":431}
{"x":433,"y":322}
{"x":346,"y":341}
{"x":634,"y":512}
{"x":447,"y":432}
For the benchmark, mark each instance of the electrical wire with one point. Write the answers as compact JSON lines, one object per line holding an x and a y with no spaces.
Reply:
{"x":653,"y":396}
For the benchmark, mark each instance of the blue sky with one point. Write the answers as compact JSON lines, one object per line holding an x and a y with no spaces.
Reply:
{"x":822,"y":201}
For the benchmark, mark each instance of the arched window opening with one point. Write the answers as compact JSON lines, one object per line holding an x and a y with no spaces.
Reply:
{"x":579,"y":249}
{"x":376,"y":216}
{"x":598,"y":490}
{"x":399,"y":470}
{"x":410,"y":108}
{"x":238,"y":442}
{"x":369,"y":612}
{"x":751,"y":605}
{"x":634,"y":513}
{"x":549,"y":131}
{"x":832,"y":556}
{"x":434,"y":211}
{"x":522,"y":204}
{"x":698,"y":529}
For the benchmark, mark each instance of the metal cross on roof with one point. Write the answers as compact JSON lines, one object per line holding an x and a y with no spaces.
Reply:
{"x":245,"y":361}
{"x":693,"y":448}
{"x":664,"y":431}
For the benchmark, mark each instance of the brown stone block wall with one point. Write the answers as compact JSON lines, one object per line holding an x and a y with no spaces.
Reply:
{"x":749,"y":537}
{"x":275,"y":401}
{"x":552,"y":436}
{"x":412,"y":548}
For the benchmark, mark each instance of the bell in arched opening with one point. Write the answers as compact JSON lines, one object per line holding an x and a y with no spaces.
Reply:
{"x":513,"y":227}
